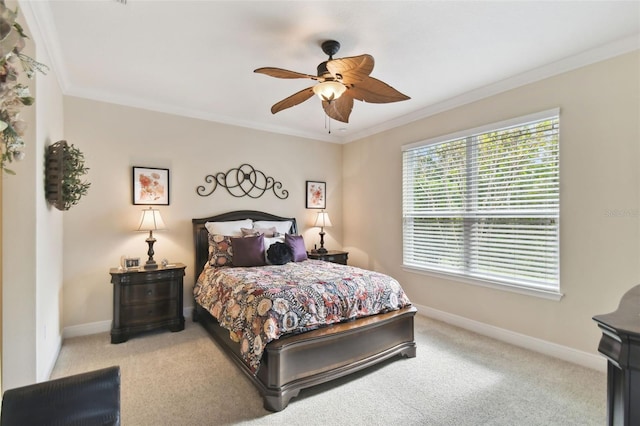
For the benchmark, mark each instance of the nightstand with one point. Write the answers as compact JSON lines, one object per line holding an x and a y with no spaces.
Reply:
{"x":146,"y":299}
{"x":335,"y":256}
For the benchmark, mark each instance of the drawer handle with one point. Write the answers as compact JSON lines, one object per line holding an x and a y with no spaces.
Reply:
{"x":150,"y":312}
{"x":149,"y":292}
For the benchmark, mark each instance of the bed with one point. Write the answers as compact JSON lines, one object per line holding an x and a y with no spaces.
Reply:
{"x":298,"y":360}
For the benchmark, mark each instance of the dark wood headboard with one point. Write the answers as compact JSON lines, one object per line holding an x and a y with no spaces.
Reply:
{"x":201,"y":238}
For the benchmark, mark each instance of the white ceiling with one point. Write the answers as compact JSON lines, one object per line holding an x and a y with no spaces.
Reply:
{"x":196,"y":58}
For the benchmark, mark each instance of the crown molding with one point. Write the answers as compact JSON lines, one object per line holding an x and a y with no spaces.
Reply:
{"x":40,"y":21}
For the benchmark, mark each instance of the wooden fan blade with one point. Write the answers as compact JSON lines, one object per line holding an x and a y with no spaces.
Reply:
{"x":351,"y":70}
{"x":293,"y":100}
{"x":339,"y":109}
{"x":375,"y":91}
{"x":281,"y":73}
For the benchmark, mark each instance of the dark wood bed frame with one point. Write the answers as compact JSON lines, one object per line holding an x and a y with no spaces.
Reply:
{"x":292,"y":363}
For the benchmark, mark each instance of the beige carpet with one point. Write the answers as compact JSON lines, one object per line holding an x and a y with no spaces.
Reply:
{"x":457,"y":378}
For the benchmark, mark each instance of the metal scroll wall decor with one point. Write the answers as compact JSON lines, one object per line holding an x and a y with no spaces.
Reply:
{"x":244,"y":181}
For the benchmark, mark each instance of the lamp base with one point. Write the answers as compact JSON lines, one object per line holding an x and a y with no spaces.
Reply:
{"x":153,"y":265}
{"x":322,"y":250}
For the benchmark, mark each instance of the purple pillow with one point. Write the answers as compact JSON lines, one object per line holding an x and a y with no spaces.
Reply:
{"x":248,"y":251}
{"x":296,"y":242}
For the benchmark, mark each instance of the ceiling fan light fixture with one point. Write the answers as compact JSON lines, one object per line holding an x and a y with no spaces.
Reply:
{"x":329,"y":90}
{"x":338,"y":83}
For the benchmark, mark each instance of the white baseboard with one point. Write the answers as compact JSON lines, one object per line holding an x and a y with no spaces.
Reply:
{"x":86,"y":329}
{"x":52,"y":362}
{"x":565,"y":353}
{"x":101,"y":326}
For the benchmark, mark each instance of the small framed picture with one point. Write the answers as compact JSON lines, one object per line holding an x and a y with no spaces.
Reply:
{"x":131,"y":262}
{"x":316,"y":195}
{"x":150,"y":186}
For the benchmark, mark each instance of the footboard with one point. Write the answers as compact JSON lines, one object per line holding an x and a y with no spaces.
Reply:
{"x":318,"y":356}
{"x":297,"y":362}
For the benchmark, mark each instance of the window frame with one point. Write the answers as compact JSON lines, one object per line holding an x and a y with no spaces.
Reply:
{"x":553,"y":293}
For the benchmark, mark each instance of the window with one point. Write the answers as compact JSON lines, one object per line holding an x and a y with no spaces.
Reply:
{"x":484,"y":204}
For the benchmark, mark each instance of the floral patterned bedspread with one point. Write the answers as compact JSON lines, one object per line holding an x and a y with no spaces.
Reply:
{"x":260,"y":304}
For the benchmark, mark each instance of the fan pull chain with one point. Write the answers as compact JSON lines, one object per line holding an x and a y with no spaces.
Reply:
{"x":329,"y":123}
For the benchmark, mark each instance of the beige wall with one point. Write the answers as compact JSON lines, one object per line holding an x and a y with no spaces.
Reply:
{"x":114,"y":138}
{"x":600,"y":189}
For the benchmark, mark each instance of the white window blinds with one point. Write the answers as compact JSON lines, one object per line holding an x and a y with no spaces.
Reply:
{"x":485,"y":203}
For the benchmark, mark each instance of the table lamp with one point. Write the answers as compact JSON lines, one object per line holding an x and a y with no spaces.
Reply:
{"x":151,"y":221}
{"x":322,"y":220}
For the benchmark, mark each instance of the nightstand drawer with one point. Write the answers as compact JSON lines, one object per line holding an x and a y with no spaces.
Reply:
{"x":145,"y":293}
{"x":334,"y":256}
{"x":336,"y":259}
{"x":150,"y":313}
{"x":158,"y":275}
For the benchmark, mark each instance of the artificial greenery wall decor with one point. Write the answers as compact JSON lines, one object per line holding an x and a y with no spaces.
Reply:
{"x":64,"y":171}
{"x":13,"y":95}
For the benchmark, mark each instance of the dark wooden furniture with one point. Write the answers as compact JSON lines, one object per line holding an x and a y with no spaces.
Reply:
{"x":145,"y":300}
{"x":296,"y":362}
{"x":620,"y":344}
{"x":335,"y":256}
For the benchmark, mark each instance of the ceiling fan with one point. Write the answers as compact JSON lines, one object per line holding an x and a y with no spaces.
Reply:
{"x":340,"y":81}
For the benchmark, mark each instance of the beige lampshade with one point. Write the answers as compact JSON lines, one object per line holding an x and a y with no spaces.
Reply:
{"x":323,"y":220}
{"x":151,"y":220}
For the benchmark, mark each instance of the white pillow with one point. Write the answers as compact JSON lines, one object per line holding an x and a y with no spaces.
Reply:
{"x":232,"y":228}
{"x":283,"y":227}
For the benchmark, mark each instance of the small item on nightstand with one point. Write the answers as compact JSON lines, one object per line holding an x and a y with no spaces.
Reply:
{"x":131,"y":262}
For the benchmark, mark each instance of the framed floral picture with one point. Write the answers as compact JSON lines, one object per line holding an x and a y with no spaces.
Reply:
{"x":316,"y":195}
{"x":150,"y":186}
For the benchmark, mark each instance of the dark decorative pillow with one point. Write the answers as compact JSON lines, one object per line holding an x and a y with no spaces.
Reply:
{"x":279,"y":254}
{"x":220,"y":250}
{"x":268,"y":242}
{"x":248,"y":251}
{"x":296,"y":243}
